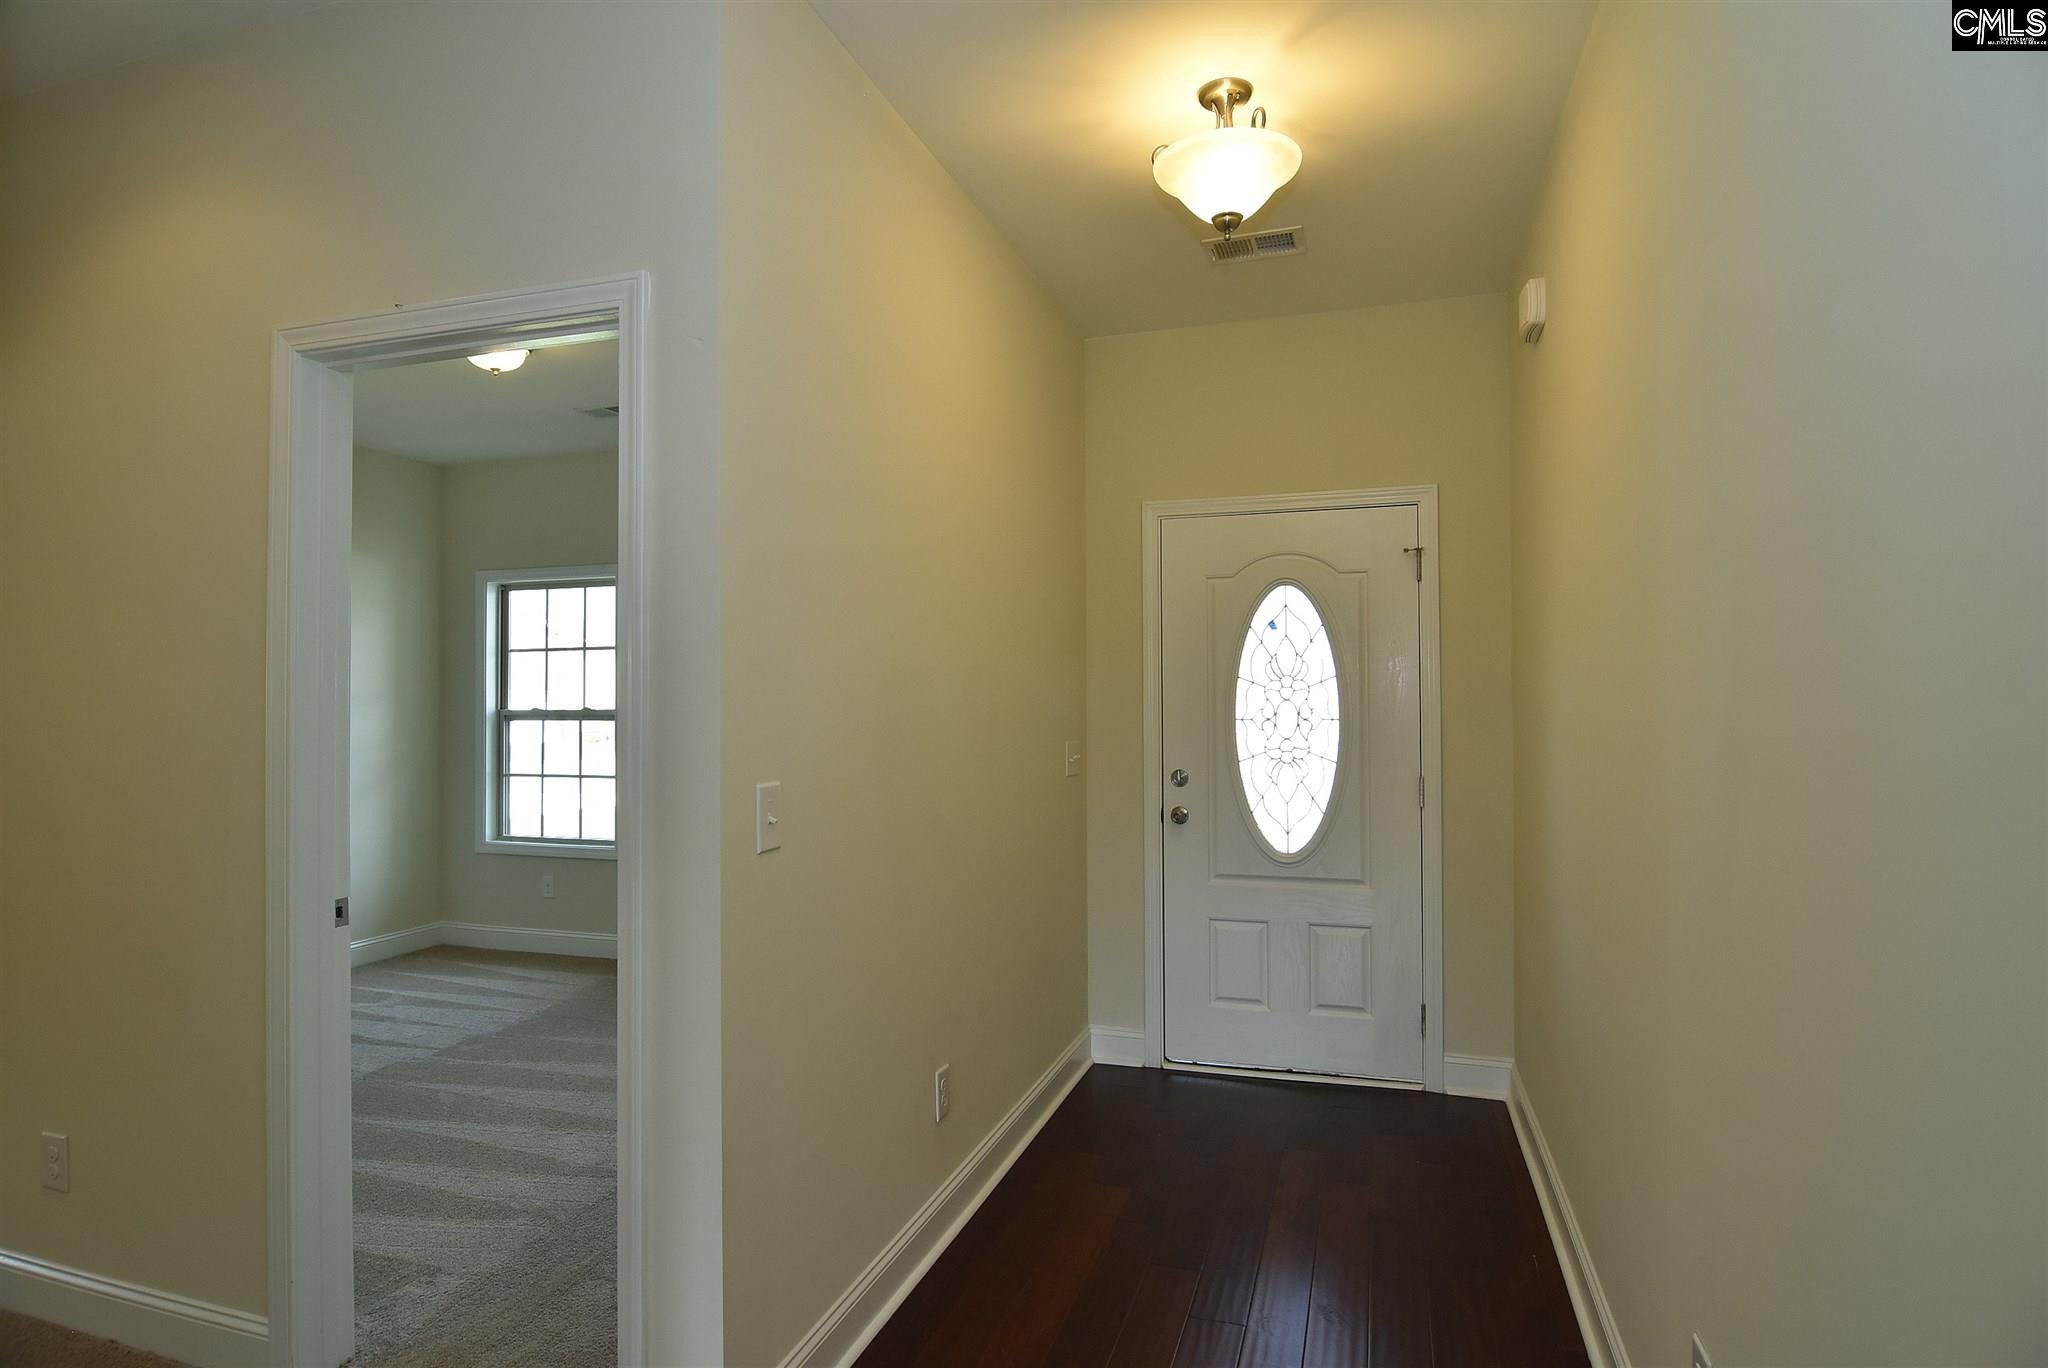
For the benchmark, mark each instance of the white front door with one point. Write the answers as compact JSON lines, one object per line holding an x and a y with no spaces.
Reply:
{"x":1291,"y":730}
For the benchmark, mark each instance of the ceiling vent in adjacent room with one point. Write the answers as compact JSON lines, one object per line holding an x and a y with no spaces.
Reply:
{"x":1248,"y":246}
{"x":603,"y":411}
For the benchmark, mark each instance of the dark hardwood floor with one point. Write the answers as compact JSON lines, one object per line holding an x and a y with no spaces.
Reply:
{"x":1204,"y":1222}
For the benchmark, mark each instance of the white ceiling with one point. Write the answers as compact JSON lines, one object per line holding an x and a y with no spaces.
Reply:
{"x":449,"y":411}
{"x":45,"y":43}
{"x":1424,"y":126}
{"x":1424,"y":129}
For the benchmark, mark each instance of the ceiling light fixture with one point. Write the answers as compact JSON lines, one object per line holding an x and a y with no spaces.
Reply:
{"x":1226,"y":174}
{"x":498,"y":362}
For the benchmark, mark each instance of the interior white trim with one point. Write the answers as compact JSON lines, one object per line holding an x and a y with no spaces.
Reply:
{"x":528,"y":940}
{"x":1477,"y":1075}
{"x":486,"y":663}
{"x":178,"y":1327}
{"x":1596,"y":1319}
{"x":864,"y":1308}
{"x":1117,"y":1045}
{"x":311,"y":1278}
{"x":1328,"y":1080}
{"x":391,"y":944}
{"x":1424,"y":499}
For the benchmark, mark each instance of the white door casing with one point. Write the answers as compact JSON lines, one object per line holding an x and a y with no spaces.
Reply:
{"x":1312,"y":947}
{"x":311,"y":1310}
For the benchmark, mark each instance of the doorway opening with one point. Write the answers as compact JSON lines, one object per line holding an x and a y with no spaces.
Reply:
{"x":457,"y":758}
{"x":482,"y":857}
{"x":1293,"y":862}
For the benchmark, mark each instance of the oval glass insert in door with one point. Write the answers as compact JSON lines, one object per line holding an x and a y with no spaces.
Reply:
{"x":1289,"y":724}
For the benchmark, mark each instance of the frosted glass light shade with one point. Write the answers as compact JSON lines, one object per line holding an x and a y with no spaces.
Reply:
{"x":1227,"y":170}
{"x":498,"y":362}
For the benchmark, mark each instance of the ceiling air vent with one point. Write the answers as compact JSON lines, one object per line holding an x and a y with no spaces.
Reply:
{"x":1248,"y":246}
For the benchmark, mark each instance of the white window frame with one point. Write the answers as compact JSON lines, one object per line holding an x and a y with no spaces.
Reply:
{"x":488,"y":583}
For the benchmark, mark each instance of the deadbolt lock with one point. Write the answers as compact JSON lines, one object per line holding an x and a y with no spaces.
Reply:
{"x":1179,"y":778}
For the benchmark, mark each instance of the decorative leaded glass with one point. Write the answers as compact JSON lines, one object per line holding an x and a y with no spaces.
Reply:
{"x":1288,"y":723}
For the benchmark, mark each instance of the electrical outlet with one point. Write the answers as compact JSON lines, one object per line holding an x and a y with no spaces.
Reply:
{"x":547,"y":885}
{"x":942,"y":1093}
{"x":56,"y":1162}
{"x":1699,"y":1354}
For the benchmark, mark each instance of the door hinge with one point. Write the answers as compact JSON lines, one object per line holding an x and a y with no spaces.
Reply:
{"x":341,"y":911}
{"x":1421,"y":794}
{"x":1425,"y":1021}
{"x":1416,"y":552}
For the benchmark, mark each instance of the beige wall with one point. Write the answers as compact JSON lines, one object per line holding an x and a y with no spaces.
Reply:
{"x":158,"y":224}
{"x":518,"y":514}
{"x":422,"y":532}
{"x":902,"y":507}
{"x":1781,"y":506}
{"x":1362,"y":399}
{"x":394,"y":736}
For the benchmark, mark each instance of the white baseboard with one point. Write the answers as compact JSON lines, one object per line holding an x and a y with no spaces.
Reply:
{"x":177,"y":1327}
{"x":370,"y":949}
{"x":1117,"y":1045}
{"x":1589,"y":1302}
{"x":1464,"y":1075}
{"x":587,"y":944}
{"x":1477,"y":1075}
{"x":852,"y":1321}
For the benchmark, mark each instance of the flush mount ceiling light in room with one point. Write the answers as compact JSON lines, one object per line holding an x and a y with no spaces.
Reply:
{"x":498,"y":362}
{"x":1226,"y":174}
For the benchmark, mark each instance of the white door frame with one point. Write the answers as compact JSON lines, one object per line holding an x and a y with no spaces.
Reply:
{"x":1155,"y":513}
{"x":311,"y":1310}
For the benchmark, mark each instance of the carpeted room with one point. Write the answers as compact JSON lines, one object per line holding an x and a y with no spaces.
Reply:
{"x":483,"y":984}
{"x":485,"y":1130}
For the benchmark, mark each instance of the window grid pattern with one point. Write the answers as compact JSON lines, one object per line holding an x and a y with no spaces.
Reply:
{"x":558,"y":712}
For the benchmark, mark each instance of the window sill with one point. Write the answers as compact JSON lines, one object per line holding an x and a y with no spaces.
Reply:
{"x":553,"y":850}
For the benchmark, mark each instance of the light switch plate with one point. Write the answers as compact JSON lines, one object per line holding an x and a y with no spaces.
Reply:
{"x":1699,"y":1354}
{"x":767,"y":817}
{"x":1073,"y":758}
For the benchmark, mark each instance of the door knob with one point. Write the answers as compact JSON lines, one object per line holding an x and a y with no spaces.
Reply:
{"x":1179,"y":816}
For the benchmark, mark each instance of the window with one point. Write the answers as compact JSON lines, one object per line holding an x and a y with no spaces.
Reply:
{"x":1288,"y":726}
{"x":550,"y":710}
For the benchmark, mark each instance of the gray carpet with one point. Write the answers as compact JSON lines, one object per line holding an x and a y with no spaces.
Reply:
{"x":486,"y":1142}
{"x":26,"y":1343}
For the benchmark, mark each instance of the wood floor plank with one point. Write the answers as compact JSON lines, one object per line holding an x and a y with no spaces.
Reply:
{"x":1046,"y":1281}
{"x":1230,"y":1262}
{"x":1171,"y":1219}
{"x":1277,"y":1324}
{"x":1399,"y":1333}
{"x":1159,"y":1309}
{"x":1340,"y":1304}
{"x":1209,"y":1344}
{"x":1138,"y":1241}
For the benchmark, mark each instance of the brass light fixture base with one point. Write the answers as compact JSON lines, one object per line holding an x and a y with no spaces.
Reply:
{"x":1223,"y":95}
{"x":1227,"y":224}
